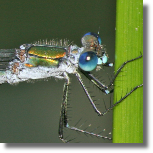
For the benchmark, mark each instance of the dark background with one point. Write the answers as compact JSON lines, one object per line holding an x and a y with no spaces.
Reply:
{"x":29,"y":112}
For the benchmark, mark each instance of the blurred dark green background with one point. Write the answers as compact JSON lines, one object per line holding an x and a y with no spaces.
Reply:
{"x":29,"y":112}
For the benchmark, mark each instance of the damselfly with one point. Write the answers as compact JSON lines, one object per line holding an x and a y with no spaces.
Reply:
{"x":45,"y":59}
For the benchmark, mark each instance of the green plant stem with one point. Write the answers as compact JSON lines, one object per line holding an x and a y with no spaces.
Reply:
{"x":128,"y":116}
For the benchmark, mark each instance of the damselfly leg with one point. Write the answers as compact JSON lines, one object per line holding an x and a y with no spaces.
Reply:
{"x":63,"y":122}
{"x":105,"y":89}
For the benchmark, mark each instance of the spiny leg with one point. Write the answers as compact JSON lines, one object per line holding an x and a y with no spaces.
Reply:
{"x":87,"y":93}
{"x":63,"y":122}
{"x":112,"y":82}
{"x":121,"y":67}
{"x":89,"y":133}
{"x":96,"y":82}
{"x":100,"y":85}
{"x":63,"y":118}
{"x":104,"y":88}
{"x":116,"y":103}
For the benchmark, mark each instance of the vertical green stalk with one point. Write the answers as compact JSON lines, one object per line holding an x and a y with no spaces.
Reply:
{"x":128,"y":116}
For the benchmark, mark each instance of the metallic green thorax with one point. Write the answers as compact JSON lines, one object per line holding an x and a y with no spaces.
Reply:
{"x":45,"y":56}
{"x":47,"y":52}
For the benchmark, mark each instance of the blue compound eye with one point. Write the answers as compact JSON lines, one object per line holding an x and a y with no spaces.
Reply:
{"x":88,"y":61}
{"x":94,"y":35}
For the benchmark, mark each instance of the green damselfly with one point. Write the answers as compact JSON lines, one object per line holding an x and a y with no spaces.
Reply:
{"x":45,"y":59}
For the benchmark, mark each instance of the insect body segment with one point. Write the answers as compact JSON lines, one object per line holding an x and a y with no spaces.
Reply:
{"x":37,"y":61}
{"x":44,"y":56}
{"x":47,"y":52}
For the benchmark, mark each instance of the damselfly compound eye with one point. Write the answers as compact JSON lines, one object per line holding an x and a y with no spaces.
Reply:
{"x":90,"y":39}
{"x":88,"y":61}
{"x":95,"y":35}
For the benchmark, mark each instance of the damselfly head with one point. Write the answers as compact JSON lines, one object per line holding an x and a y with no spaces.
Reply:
{"x":93,"y":54}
